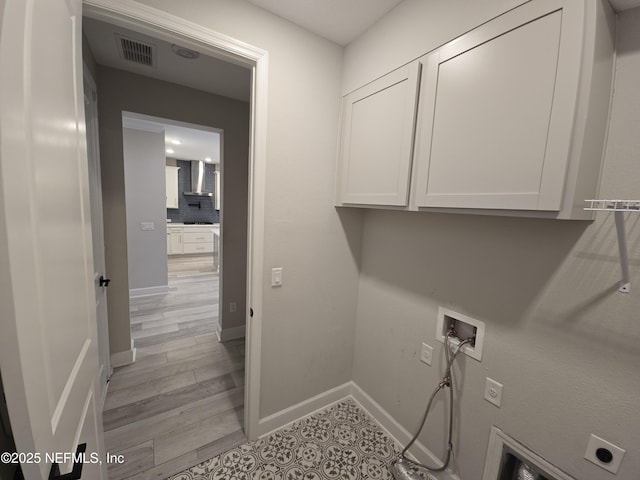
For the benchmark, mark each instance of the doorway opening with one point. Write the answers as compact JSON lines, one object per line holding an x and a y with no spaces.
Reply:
{"x":161,"y":448}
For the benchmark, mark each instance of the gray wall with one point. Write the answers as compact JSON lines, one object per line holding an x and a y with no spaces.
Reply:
{"x":121,"y":91}
{"x":307,"y":324}
{"x":145,"y":193}
{"x":559,"y":336}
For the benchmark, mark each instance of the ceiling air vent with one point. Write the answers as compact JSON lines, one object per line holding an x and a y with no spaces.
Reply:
{"x":135,"y":51}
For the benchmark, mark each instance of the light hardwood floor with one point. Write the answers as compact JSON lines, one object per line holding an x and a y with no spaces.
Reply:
{"x":182,"y":401}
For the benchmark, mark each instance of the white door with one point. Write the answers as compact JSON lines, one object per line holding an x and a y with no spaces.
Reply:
{"x":48,"y":347}
{"x":101,"y":282}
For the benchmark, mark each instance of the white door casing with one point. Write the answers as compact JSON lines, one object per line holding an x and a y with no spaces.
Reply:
{"x":97,"y":229}
{"x":48,"y":348}
{"x":160,"y":24}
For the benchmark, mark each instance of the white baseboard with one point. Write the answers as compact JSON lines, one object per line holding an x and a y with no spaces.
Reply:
{"x":400,"y":434}
{"x":351,"y":390}
{"x":303,"y":409}
{"x":147,"y":291}
{"x":121,"y":359}
{"x":232,"y":333}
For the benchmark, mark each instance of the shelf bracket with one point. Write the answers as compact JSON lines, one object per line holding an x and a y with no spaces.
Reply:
{"x":618,"y":207}
{"x":625,"y":283}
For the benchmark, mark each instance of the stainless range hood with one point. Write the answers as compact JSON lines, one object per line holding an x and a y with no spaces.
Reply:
{"x":197,"y":180}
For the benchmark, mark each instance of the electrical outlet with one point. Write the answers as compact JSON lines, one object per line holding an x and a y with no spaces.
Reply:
{"x":427,"y":354}
{"x":232,"y":307}
{"x":493,"y":392}
{"x":604,"y":454}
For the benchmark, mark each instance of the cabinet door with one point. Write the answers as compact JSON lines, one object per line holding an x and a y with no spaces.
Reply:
{"x":486,"y":119}
{"x":377,"y":139}
{"x":175,"y":242}
{"x":172,"y":186}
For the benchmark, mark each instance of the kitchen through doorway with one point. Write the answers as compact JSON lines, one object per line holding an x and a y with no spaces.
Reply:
{"x":182,"y":400}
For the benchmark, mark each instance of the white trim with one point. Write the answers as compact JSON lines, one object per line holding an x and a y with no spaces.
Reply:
{"x":157,"y":23}
{"x":120,"y":359}
{"x":148,"y":291}
{"x":400,"y":434}
{"x":350,"y":390}
{"x":498,"y":441}
{"x":303,"y":409}
{"x":226,"y":334}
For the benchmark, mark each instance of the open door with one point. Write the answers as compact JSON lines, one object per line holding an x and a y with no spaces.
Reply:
{"x":48,"y":347}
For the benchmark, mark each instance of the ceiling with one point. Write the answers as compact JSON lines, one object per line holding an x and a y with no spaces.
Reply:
{"x":337,"y":20}
{"x":620,"y":5}
{"x":204,"y":73}
{"x":341,"y":21}
{"x":196,"y":143}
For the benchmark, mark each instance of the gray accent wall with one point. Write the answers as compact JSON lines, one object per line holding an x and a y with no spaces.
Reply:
{"x":145,"y":193}
{"x":120,"y":91}
{"x":559,"y":336}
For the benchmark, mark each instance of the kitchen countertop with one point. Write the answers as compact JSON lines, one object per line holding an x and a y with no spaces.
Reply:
{"x":178,"y":224}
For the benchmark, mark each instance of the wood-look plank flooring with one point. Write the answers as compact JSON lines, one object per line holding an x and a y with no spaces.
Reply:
{"x":182,"y":401}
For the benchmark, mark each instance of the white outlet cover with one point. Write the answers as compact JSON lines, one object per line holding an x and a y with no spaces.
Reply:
{"x":426,"y":355}
{"x":493,"y":392}
{"x":596,"y":443}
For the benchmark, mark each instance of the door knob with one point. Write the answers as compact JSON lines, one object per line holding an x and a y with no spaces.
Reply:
{"x":104,"y":282}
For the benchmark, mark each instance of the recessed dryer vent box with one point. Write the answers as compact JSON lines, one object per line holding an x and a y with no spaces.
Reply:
{"x":464,"y":327}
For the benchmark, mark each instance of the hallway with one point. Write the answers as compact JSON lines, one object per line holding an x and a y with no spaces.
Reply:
{"x":182,"y":401}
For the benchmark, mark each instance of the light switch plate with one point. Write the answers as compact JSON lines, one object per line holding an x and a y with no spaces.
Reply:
{"x":276,"y":277}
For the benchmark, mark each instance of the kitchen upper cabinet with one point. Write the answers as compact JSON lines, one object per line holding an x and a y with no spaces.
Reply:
{"x":377,"y":141}
{"x":511,"y":120}
{"x":172,"y":186}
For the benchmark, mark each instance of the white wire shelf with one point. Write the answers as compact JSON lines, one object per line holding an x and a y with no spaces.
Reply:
{"x":614,"y":205}
{"x":618,"y":207}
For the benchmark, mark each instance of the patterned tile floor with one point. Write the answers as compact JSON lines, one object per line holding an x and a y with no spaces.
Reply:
{"x":341,"y":442}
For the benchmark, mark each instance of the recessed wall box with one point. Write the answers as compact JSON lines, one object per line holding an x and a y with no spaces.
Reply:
{"x":464,"y":327}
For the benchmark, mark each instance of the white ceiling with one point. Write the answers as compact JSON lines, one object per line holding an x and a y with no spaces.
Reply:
{"x":196,"y":143}
{"x":620,"y":5}
{"x":341,"y":21}
{"x":203,"y":73}
{"x":337,"y":20}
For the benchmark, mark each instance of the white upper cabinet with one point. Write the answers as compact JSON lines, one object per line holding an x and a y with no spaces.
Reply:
{"x":172,"y":186}
{"x":485,"y":120}
{"x":511,"y":119}
{"x":377,"y":140}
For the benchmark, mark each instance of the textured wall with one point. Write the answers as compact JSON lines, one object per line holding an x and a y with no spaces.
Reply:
{"x":559,"y":336}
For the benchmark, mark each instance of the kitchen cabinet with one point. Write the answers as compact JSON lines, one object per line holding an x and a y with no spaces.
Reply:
{"x":190,"y":239}
{"x":175,"y":245}
{"x":378,"y":127}
{"x":198,"y":240}
{"x":171,"y":178}
{"x":511,"y":119}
